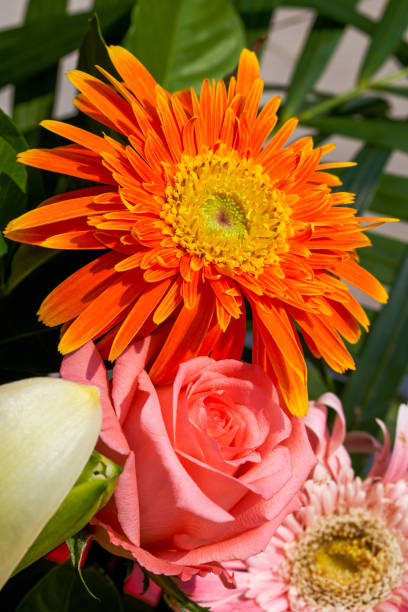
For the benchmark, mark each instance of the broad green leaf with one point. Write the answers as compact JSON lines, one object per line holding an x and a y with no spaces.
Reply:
{"x":13,"y":176}
{"x":313,"y":58}
{"x":38,"y":10}
{"x":13,"y":179}
{"x":384,"y":358}
{"x":10,"y":167}
{"x":383,"y":258}
{"x":26,"y":259}
{"x":256,"y":19}
{"x":90,"y":493}
{"x":30,"y":49}
{"x":12,"y":200}
{"x":61,"y":590}
{"x":379,"y":132}
{"x":49,"y":427}
{"x":363,"y":179}
{"x":10,"y":133}
{"x":388,"y":33}
{"x":93,"y":51}
{"x":184,"y":41}
{"x":3,"y":246}
{"x":34,"y":99}
{"x":391,"y":197}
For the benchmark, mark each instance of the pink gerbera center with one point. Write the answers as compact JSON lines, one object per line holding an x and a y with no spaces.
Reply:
{"x":345,"y":548}
{"x":346,"y":561}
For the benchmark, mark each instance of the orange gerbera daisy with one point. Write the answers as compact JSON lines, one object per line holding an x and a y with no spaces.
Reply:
{"x":196,"y":214}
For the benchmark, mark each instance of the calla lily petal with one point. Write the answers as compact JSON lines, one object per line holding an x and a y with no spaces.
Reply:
{"x":49,"y":428}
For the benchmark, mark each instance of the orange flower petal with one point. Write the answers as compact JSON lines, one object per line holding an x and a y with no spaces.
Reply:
{"x":351,"y":272}
{"x":140,"y":312}
{"x":65,"y":208}
{"x":71,"y":159}
{"x":74,"y":294}
{"x":168,"y":272}
{"x":230,"y":303}
{"x":107,"y":101}
{"x":192,"y":324}
{"x":77,"y":135}
{"x":169,"y":303}
{"x":270,"y":353}
{"x":248,"y":71}
{"x":138,"y":80}
{"x":85,"y":106}
{"x":122,"y":291}
{"x":326,"y":339}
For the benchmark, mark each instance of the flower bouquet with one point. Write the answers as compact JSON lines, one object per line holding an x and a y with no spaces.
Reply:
{"x":211,"y":441}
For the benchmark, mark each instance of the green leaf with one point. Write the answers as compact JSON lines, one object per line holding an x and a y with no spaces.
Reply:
{"x":183,"y":41}
{"x":384,"y":358}
{"x":93,"y":51}
{"x":13,"y":179}
{"x":316,"y":52}
{"x":394,"y":89}
{"x":3,"y":246}
{"x":37,"y":10}
{"x":367,"y":106}
{"x":383,"y":258}
{"x":77,"y":545}
{"x":391,"y":197}
{"x":30,"y":49}
{"x":61,"y":590}
{"x":27,"y":258}
{"x":388,"y":33}
{"x":10,"y":167}
{"x":90,"y":493}
{"x":10,"y":133}
{"x":316,"y":384}
{"x":12,"y":200}
{"x":256,"y":18}
{"x":379,"y":132}
{"x":34,"y":100}
{"x":13,"y":176}
{"x":342,"y":11}
{"x":363,"y":179}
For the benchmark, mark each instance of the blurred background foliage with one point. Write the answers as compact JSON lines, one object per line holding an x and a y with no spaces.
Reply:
{"x":182,"y":42}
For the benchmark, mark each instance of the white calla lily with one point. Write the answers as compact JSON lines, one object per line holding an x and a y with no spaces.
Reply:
{"x":48,"y":429}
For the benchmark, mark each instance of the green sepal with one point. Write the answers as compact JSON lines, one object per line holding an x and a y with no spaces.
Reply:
{"x":90,"y":493}
{"x":76,"y":546}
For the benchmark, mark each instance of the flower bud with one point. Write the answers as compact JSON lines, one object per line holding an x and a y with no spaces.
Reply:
{"x":49,"y":428}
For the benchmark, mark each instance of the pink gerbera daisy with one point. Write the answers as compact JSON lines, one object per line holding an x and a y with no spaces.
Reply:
{"x":346,"y":546}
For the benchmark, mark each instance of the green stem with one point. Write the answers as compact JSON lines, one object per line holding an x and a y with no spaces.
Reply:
{"x":318,"y":109}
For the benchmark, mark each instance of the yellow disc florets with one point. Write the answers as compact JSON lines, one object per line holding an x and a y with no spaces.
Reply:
{"x":349,"y":561}
{"x":225,"y":210}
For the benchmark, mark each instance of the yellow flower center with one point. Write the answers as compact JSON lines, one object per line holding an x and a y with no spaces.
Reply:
{"x":347,"y":561}
{"x":225,"y":210}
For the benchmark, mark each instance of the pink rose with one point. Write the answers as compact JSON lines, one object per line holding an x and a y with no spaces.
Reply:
{"x":212,"y":464}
